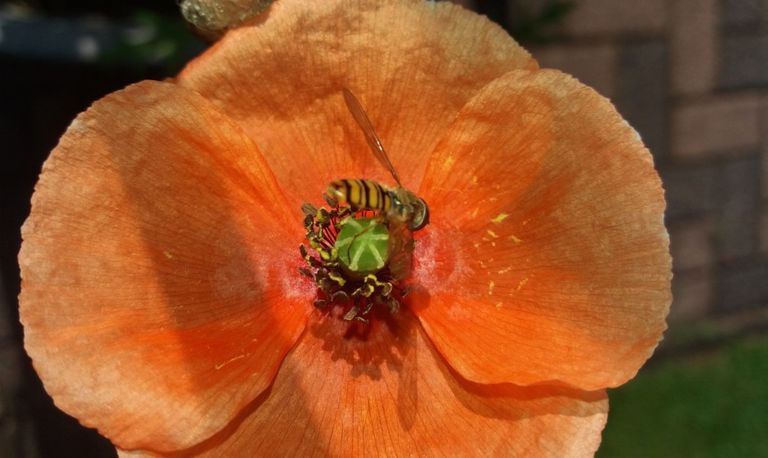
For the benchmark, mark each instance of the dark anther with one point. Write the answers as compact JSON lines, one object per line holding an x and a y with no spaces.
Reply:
{"x":358,"y":297}
{"x":306,"y":272}
{"x":332,"y":202}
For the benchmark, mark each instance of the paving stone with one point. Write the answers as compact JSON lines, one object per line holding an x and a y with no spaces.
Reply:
{"x":691,"y":245}
{"x":742,"y":286}
{"x":744,"y":61}
{"x":764,"y":157}
{"x":764,"y":9}
{"x":594,"y":65}
{"x":6,"y":327}
{"x":723,"y":124}
{"x":741,"y":13}
{"x":690,"y":191}
{"x":8,"y":432}
{"x":738,"y":215}
{"x":598,"y":17}
{"x":10,"y":379}
{"x":692,"y":294}
{"x":694,"y":36}
{"x":10,"y":372}
{"x":764,"y":231}
{"x":641,"y":92}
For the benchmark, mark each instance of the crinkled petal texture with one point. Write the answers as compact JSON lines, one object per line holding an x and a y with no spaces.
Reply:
{"x":387,"y":392}
{"x":547,"y":258}
{"x":413,"y":64}
{"x":158,"y":296}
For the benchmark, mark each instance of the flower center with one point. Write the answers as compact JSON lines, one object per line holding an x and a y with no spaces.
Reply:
{"x":358,"y":260}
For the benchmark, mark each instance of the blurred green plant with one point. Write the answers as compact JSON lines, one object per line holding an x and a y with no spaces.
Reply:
{"x":712,"y":404}
{"x":537,"y":23}
{"x":156,"y":40}
{"x":113,"y":10}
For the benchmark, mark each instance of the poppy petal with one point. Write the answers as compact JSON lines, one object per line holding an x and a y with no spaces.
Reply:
{"x":153,"y":298}
{"x":547,"y":259}
{"x":413,"y":65}
{"x":389,"y":393}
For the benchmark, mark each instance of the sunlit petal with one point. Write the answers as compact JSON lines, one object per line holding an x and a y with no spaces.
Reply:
{"x":413,"y":64}
{"x":547,"y":259}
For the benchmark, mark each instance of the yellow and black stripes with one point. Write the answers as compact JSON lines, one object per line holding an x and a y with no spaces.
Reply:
{"x":361,"y":194}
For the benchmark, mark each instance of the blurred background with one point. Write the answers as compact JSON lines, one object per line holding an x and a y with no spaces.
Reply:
{"x":690,"y":75}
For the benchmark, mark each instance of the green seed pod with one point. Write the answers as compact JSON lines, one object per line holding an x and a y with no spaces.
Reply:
{"x":363,"y":245}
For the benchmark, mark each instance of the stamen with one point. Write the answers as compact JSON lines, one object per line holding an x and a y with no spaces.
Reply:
{"x":347,"y":255}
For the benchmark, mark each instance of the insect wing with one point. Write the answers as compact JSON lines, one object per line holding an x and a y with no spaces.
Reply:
{"x":400,"y":248}
{"x":366,"y":126}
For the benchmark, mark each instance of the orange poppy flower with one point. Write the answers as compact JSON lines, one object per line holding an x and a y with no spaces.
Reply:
{"x":161,"y":299}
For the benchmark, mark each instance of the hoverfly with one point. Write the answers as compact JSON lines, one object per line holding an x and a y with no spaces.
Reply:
{"x":363,"y":194}
{"x":403,"y":211}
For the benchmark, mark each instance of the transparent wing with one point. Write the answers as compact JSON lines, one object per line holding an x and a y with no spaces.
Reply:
{"x":400,"y":249}
{"x":374,"y":142}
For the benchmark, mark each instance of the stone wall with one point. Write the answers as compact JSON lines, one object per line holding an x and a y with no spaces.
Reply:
{"x":692,"y":77}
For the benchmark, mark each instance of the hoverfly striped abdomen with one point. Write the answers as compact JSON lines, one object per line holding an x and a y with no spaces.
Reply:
{"x":397,"y":205}
{"x":361,"y":194}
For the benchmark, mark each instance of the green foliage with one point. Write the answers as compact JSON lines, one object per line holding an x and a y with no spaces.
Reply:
{"x":529,"y":24}
{"x":713,"y":405}
{"x":155,"y":40}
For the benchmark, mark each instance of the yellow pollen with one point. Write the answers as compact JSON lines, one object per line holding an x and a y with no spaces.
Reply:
{"x":474,"y":212}
{"x":492,"y":234}
{"x":491,"y":285}
{"x":514,"y":239}
{"x":499,"y":218}
{"x":505,"y":270}
{"x":522,"y":283}
{"x":499,"y":305}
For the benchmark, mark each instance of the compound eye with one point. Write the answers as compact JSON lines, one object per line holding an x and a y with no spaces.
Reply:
{"x":420,"y":215}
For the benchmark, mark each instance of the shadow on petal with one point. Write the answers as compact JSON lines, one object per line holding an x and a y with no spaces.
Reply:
{"x":153,"y":270}
{"x":388,"y":392}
